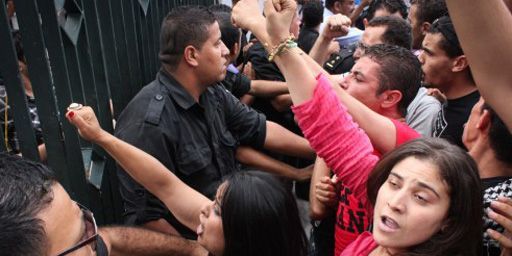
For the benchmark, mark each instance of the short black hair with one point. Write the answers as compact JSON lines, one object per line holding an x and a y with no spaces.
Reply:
{"x":329,"y":4}
{"x":398,"y":31}
{"x":500,"y":138}
{"x":399,"y":70}
{"x":312,"y":14}
{"x":391,"y":6}
{"x":429,"y":10}
{"x":230,"y":33}
{"x":183,"y":26}
{"x":450,"y":41}
{"x":219,"y":8}
{"x":25,"y":190}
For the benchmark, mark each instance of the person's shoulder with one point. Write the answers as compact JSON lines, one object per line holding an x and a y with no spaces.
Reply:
{"x":404,"y":132}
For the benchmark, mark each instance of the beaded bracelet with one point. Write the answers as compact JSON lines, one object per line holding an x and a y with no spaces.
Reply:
{"x":287,"y":44}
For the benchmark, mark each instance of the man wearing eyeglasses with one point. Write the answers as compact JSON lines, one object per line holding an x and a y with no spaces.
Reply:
{"x":37,"y":217}
{"x":446,"y":68}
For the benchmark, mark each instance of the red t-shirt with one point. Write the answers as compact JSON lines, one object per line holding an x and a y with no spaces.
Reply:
{"x":362,"y":246}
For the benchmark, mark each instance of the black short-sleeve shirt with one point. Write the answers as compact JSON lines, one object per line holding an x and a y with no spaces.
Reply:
{"x":195,"y":140}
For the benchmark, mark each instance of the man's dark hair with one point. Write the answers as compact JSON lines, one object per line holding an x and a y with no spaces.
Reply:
{"x":330,"y":3}
{"x":183,"y":26}
{"x":219,"y":8}
{"x":230,"y":33}
{"x":25,"y":190}
{"x":399,"y":70}
{"x":500,"y":137}
{"x":429,"y":10}
{"x":450,"y":42}
{"x":392,"y":6}
{"x":312,"y":14}
{"x":398,"y":31}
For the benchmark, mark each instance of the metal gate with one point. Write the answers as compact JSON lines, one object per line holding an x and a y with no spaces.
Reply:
{"x":90,"y":51}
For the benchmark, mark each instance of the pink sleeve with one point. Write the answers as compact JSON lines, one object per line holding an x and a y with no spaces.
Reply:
{"x":330,"y":130}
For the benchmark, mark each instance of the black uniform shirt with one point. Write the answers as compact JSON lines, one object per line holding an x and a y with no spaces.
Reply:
{"x":196,"y":141}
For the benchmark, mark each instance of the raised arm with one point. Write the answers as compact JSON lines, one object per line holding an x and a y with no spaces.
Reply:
{"x":184,"y":202}
{"x":300,"y":70}
{"x":485,"y":33}
{"x":336,"y":26}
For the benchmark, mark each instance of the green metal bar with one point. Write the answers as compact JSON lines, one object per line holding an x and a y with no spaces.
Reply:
{"x":120,"y":96}
{"x":15,"y":91}
{"x":58,"y":65}
{"x":42,"y":83}
{"x":155,"y":25}
{"x":103,"y":107}
{"x":131,"y":44}
{"x":122,"y":53}
{"x":142,"y":35}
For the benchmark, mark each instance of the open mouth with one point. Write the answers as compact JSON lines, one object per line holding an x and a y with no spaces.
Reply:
{"x":387,"y":224}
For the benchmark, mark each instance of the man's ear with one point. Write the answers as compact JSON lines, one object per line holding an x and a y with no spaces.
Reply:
{"x":460,"y":63}
{"x":190,"y":54}
{"x":337,"y":7}
{"x":390,"y":98}
{"x":365,"y":22}
{"x":234,"y":52}
{"x":425,"y":26}
{"x":484,"y":123}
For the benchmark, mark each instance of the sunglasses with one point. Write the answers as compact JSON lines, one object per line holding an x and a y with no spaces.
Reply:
{"x":90,"y":235}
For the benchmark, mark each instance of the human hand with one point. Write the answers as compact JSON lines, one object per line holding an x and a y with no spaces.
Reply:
{"x":248,"y":71}
{"x":279,"y":15}
{"x":84,"y":119}
{"x":436,"y":93}
{"x":246,"y":14}
{"x":334,"y":47}
{"x":502,"y":213}
{"x":337,"y":25}
{"x":325,"y":191}
{"x":304,"y":174}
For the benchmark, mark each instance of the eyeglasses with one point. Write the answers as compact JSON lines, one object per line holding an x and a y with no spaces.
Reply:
{"x":90,"y":235}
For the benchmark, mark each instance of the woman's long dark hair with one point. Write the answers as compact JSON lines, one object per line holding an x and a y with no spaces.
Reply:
{"x":260,"y":217}
{"x":463,"y":232}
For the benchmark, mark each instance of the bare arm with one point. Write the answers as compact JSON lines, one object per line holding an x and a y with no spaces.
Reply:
{"x":317,"y":209}
{"x":138,"y":241}
{"x":481,"y":26}
{"x":263,"y":162}
{"x":280,"y":140}
{"x":267,"y":89}
{"x":282,"y":102}
{"x":335,"y":27}
{"x":184,"y":202}
{"x":299,"y":72}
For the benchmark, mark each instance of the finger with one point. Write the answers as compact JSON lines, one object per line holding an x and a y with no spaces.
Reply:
{"x":268,"y":7}
{"x":326,"y":194}
{"x":325,"y":200}
{"x":504,"y":241}
{"x":500,"y":219}
{"x":326,"y":187}
{"x":502,"y":208}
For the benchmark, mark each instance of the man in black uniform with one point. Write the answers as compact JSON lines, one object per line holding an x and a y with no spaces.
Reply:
{"x":189,"y":122}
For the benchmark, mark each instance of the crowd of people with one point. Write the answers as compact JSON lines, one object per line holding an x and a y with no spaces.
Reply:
{"x":389,"y":117}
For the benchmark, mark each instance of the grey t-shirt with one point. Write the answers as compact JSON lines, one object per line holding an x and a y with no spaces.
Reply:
{"x":422,"y":112}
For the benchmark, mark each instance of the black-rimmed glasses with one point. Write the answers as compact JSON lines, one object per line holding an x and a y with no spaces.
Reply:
{"x":90,"y":235}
